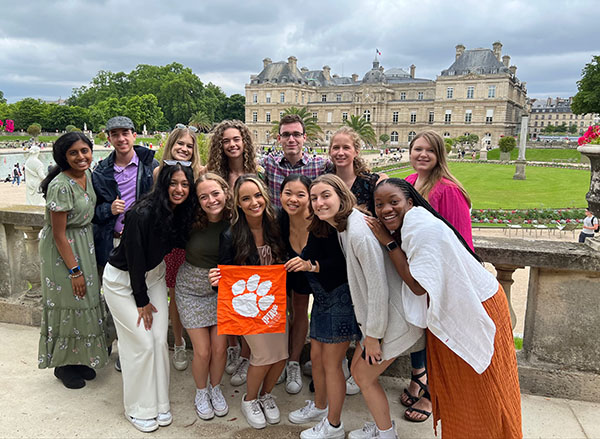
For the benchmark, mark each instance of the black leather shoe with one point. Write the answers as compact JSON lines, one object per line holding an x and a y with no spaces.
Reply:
{"x":85,"y":372}
{"x":69,"y":377}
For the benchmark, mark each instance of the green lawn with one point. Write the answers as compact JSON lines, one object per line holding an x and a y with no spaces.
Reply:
{"x":492,"y":186}
{"x":541,"y":155}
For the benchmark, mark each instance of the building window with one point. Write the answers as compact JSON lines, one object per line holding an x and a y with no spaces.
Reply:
{"x":302,"y":97}
{"x":323,"y":98}
{"x":420,"y":95}
{"x":411,"y":136}
{"x":492,"y":91}
{"x":549,"y":116}
{"x":338,"y":97}
{"x":254,"y":98}
{"x":403,"y":96}
{"x":468,"y":116}
{"x":413,"y":117}
{"x":446,"y":134}
{"x":470,"y":92}
{"x":394,"y":137}
{"x":268,"y":98}
{"x":282,"y":97}
{"x":535,"y":124}
{"x":395,"y":117}
{"x":449,"y":93}
{"x":255,"y":134}
{"x":537,"y":116}
{"x":329,"y":117}
{"x":448,"y":117}
{"x":544,"y":116}
{"x":431,"y":116}
{"x":254,"y":116}
{"x":541,"y":124}
{"x":344,"y":116}
{"x":570,"y":116}
{"x":581,"y":123}
{"x":315,"y":116}
{"x":296,"y":97}
{"x":268,"y":116}
{"x":367,"y":115}
{"x":327,"y":136}
{"x":489,"y":116}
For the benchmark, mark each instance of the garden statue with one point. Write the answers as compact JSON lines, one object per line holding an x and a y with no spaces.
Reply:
{"x":35,"y":173}
{"x":521,"y":162}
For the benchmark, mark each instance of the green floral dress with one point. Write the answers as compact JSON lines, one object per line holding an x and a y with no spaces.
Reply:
{"x":72,"y":329}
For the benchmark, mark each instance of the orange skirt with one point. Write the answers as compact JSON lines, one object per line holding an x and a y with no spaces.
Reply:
{"x":472,"y":405}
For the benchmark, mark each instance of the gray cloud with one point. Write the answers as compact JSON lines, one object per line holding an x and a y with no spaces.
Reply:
{"x":49,"y":48}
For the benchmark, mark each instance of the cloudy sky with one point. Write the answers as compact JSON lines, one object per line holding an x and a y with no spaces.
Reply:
{"x":48,"y":48}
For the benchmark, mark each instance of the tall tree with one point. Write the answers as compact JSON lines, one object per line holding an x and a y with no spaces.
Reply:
{"x":587,"y":99}
{"x":363,"y":128}
{"x":27,"y":111}
{"x":201,"y":121}
{"x":312,"y":128}
{"x":235,"y":107}
{"x":2,"y":98}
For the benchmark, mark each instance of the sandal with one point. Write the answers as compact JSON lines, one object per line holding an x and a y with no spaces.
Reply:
{"x":410,"y":399}
{"x":426,"y":413}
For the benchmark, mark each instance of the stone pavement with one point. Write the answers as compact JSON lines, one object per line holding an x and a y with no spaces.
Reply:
{"x":33,"y":403}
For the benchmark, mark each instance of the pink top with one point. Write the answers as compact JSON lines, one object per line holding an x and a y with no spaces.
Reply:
{"x":448,"y":200}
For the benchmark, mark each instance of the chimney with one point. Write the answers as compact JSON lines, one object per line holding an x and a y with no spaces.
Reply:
{"x":513,"y":70}
{"x":412,"y":71}
{"x":252,"y":77}
{"x":327,"y":73}
{"x":354,"y":77}
{"x":266,"y":62}
{"x":292,"y":62}
{"x":497,"y":50}
{"x":506,"y":60}
{"x":304,"y":69}
{"x":549,"y":102}
{"x":460,"y":49}
{"x":335,"y":75}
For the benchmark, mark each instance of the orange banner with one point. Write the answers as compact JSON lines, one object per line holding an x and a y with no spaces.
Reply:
{"x":251,"y":299}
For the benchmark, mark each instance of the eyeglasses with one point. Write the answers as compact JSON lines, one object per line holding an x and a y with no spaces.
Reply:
{"x":181,"y":126}
{"x":184,"y":163}
{"x":296,"y":134}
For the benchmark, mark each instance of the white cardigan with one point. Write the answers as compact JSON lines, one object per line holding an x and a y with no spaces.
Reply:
{"x":375,"y":287}
{"x":456,"y":284}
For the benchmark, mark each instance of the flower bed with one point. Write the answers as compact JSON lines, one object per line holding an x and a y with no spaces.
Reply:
{"x":528,"y":216}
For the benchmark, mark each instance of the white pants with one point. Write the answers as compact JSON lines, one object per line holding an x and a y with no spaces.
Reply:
{"x":144,"y":354}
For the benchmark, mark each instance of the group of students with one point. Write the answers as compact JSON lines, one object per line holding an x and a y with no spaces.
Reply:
{"x":389,"y":262}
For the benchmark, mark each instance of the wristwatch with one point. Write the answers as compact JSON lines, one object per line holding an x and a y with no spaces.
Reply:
{"x":391,"y":246}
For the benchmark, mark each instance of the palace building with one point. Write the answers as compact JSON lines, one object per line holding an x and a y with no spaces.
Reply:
{"x":479,"y":93}
{"x":556,"y":112}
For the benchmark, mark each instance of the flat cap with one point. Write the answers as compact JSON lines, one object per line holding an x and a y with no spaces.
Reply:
{"x":119,"y":122}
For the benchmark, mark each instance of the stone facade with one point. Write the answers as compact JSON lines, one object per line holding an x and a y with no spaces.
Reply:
{"x":478,"y":94}
{"x":556,"y":112}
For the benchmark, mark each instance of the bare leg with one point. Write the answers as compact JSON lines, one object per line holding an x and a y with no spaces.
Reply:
{"x":175,"y":320}
{"x":367,"y":378}
{"x":318,"y":373}
{"x":332,"y":355}
{"x":245,"y":349}
{"x":202,"y":355}
{"x":271,"y":377}
{"x":299,"y":326}
{"x":218,"y":358}
{"x":256,"y":376}
{"x":232,"y":341}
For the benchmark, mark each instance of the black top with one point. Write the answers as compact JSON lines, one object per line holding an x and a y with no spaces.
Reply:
{"x":227,"y":251}
{"x":141,"y":249}
{"x":332,"y":263}
{"x":295,"y":280}
{"x":363,"y":188}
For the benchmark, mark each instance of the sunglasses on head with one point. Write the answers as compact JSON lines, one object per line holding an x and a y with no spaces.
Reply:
{"x":193,"y":129}
{"x":183,"y":163}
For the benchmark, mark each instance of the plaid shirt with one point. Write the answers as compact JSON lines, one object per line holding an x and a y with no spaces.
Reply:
{"x":277,"y":167}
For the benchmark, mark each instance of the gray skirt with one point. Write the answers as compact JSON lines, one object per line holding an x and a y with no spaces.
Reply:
{"x":195,"y":298}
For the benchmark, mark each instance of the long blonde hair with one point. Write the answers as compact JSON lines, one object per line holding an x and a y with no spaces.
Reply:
{"x":174,"y":136}
{"x":440,"y":170}
{"x":359,"y":165}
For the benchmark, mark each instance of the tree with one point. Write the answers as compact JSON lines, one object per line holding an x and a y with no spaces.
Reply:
{"x":70,"y":128}
{"x":235,"y":107}
{"x":448,"y":143}
{"x":201,"y":121}
{"x":363,"y":128}
{"x":572,"y":129}
{"x":144,"y":110}
{"x":2,"y":98}
{"x":587,"y":99}
{"x":472,"y":139}
{"x":312,"y":129}
{"x":34,"y":130}
{"x":27,"y":111}
{"x":385,"y":138}
{"x":507,"y":143}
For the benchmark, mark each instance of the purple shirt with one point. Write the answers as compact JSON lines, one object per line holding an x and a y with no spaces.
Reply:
{"x":277,"y":167}
{"x":126,"y":179}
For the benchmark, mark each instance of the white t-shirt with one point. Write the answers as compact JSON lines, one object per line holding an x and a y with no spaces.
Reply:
{"x":588,"y":222}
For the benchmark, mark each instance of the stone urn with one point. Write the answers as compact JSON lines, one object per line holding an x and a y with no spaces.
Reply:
{"x":504,"y":156}
{"x":592,"y":152}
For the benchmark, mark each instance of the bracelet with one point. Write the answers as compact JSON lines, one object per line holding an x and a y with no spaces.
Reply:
{"x":74,"y":276}
{"x":75,"y":269}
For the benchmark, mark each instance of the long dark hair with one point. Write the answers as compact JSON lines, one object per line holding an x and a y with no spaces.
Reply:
{"x":172,"y":225}
{"x":284,"y":218}
{"x":322,"y":229}
{"x":243,"y":240}
{"x":59,"y":153}
{"x":410,"y":193}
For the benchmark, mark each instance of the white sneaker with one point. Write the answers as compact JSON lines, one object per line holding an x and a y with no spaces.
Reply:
{"x":164,"y":419}
{"x":143,"y":425}
{"x":218,"y":401}
{"x":241,"y":373}
{"x":204,"y":408}
{"x":345,"y":368}
{"x":293,"y":383}
{"x":233,"y":358}
{"x":282,"y":376}
{"x":351,"y":386}
{"x":368,"y":431}
{"x":272,"y":415}
{"x":308,"y":413}
{"x":307,"y":368}
{"x":324,"y":430}
{"x":253,"y":413}
{"x":180,"y":361}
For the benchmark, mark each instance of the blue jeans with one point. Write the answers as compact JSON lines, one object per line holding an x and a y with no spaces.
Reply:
{"x":17,"y":179}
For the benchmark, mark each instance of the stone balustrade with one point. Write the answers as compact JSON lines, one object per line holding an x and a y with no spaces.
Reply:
{"x":561,"y":340}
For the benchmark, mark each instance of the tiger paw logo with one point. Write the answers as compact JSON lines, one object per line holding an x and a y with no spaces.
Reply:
{"x":252,"y":297}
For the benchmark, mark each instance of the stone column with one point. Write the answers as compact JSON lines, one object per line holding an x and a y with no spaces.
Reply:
{"x":593,"y":196}
{"x":504,"y":275}
{"x":30,"y":265}
{"x":521,"y":162}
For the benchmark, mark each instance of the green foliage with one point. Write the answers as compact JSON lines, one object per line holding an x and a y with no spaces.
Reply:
{"x":234,"y":107}
{"x":384,"y":138}
{"x":201,"y":121}
{"x":572,"y":129}
{"x":203,"y":147}
{"x":507,"y":143}
{"x":26,"y":112}
{"x":491,"y":186}
{"x":313,"y":130}
{"x":2,"y":98}
{"x":70,"y":128}
{"x":542,"y":155}
{"x":101,"y":136}
{"x":518,"y":343}
{"x":558,"y":129}
{"x":34,"y":130}
{"x":448,"y":144}
{"x":587,"y":99}
{"x":363,"y":128}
